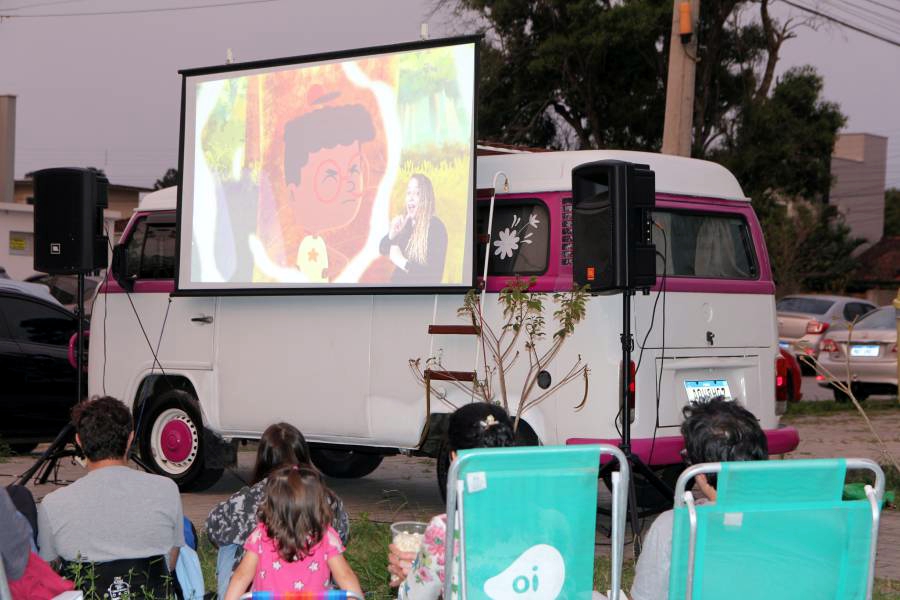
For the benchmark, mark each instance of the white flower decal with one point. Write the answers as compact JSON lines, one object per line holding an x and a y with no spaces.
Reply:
{"x":313,"y":567}
{"x":508,"y":242}
{"x":262,"y":574}
{"x":533,"y":220}
{"x":298,"y":585}
{"x":276,"y":565}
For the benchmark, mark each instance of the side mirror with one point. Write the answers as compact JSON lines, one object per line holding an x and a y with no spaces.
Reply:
{"x":119,"y":268}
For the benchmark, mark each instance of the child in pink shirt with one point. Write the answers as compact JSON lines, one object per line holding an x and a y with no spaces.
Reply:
{"x":293,"y":547}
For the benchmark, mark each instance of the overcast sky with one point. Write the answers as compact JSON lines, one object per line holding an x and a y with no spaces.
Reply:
{"x":104,"y":91}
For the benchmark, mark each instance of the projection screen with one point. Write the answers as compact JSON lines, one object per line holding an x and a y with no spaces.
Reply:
{"x":347,"y":172}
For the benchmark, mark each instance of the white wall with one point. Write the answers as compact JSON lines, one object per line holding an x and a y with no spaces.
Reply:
{"x":17,"y":238}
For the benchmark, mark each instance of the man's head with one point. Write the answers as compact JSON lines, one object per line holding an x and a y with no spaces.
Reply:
{"x":324,"y":167}
{"x":104,"y":428}
{"x":722,"y":430}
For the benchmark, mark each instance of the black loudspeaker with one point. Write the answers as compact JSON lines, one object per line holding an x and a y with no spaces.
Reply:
{"x":68,"y":221}
{"x":612,"y":225}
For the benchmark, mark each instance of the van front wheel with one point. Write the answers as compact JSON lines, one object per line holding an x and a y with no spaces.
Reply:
{"x":171,"y":441}
{"x":345,"y":464}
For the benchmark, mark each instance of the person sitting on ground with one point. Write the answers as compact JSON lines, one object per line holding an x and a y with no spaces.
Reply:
{"x":293,"y":547}
{"x":114,"y":512}
{"x":421,"y":576}
{"x":716,"y":431}
{"x":232,"y":520}
{"x":27,"y":575}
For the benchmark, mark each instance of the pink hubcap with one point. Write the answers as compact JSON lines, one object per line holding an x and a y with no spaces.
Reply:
{"x":176,"y":440}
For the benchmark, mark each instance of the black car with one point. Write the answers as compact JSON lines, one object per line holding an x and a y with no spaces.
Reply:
{"x":38,"y":381}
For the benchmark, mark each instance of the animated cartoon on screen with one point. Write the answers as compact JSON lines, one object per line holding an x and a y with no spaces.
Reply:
{"x":353,"y":172}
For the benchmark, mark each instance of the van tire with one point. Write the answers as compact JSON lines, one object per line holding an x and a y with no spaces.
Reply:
{"x":345,"y":464}
{"x":172,"y":441}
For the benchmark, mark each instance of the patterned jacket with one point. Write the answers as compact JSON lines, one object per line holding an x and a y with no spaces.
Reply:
{"x":232,"y":520}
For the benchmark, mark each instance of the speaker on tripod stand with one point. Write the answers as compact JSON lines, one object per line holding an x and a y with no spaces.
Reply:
{"x":614,"y":253}
{"x":68,"y":239}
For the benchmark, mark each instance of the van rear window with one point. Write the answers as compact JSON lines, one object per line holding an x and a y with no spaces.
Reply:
{"x":520,"y":237}
{"x":713,"y":246}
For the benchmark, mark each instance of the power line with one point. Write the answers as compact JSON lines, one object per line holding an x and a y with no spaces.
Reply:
{"x":136,"y":11}
{"x":39,"y":4}
{"x":866,"y":15}
{"x":887,"y":6}
{"x":843,"y":23}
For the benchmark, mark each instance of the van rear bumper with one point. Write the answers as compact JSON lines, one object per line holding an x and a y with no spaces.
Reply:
{"x":667,"y":450}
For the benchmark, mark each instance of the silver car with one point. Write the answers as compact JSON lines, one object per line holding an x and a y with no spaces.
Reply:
{"x":804,"y":320}
{"x":872,"y":352}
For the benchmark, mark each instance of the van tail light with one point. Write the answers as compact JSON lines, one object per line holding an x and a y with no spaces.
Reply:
{"x":816,"y":327}
{"x":828,"y":345}
{"x":631,"y":387}
{"x":780,"y":378}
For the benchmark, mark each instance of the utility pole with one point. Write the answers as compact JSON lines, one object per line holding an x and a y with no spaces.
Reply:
{"x":680,"y":85}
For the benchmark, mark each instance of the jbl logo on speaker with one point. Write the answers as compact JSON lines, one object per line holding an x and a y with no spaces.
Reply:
{"x":55,"y":248}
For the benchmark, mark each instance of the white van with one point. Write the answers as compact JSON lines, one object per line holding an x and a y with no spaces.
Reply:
{"x":201,"y":373}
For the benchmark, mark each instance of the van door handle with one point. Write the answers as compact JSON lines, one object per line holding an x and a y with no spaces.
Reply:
{"x":202,"y":319}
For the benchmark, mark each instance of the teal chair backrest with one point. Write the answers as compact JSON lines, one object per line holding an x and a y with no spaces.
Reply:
{"x":778,"y":529}
{"x":525,"y":519}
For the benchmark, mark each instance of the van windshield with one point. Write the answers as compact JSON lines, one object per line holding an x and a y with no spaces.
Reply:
{"x":703,"y":245}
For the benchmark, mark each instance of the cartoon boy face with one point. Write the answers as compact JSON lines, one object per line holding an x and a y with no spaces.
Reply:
{"x":324,"y":167}
{"x":330,"y":190}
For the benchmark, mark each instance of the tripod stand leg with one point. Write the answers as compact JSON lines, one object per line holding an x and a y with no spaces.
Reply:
{"x":50,"y":455}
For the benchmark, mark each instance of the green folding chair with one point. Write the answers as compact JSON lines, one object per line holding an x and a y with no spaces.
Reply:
{"x":778,"y":529}
{"x":525,"y":519}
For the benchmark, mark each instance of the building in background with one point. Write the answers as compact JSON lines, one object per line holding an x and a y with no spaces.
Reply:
{"x":859,"y":164}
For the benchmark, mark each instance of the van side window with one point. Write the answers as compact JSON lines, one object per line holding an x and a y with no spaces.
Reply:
{"x":151,"y":250}
{"x":704,"y":245}
{"x":520,"y":237}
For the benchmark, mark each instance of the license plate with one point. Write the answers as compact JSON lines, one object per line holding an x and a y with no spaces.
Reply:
{"x":702,"y":390}
{"x":864,"y":350}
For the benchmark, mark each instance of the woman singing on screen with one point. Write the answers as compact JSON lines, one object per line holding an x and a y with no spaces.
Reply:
{"x":417,"y":240}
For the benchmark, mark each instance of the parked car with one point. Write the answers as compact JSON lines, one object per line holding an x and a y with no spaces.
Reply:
{"x":65,"y":289}
{"x":787,"y":378}
{"x":39,"y":382}
{"x":803,"y":320}
{"x":872,"y":350}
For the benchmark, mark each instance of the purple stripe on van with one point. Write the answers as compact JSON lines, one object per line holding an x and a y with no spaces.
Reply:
{"x":141,"y":286}
{"x":667,"y":450}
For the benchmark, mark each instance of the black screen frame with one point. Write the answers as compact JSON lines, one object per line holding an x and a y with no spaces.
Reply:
{"x":309,"y":58}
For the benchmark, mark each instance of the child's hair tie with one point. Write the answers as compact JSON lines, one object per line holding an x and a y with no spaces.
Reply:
{"x":488,"y":422}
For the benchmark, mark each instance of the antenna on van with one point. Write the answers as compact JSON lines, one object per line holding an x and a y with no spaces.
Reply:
{"x":423,"y":31}
{"x":487,"y":246}
{"x":229,"y":57}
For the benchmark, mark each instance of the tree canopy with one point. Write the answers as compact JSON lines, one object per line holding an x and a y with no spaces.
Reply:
{"x":578,"y":74}
{"x":170,"y":178}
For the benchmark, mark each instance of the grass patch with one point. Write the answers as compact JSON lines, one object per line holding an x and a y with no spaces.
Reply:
{"x":827,"y":407}
{"x":367,"y":554}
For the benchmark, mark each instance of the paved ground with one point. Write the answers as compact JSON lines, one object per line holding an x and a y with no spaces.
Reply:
{"x":405,"y":487}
